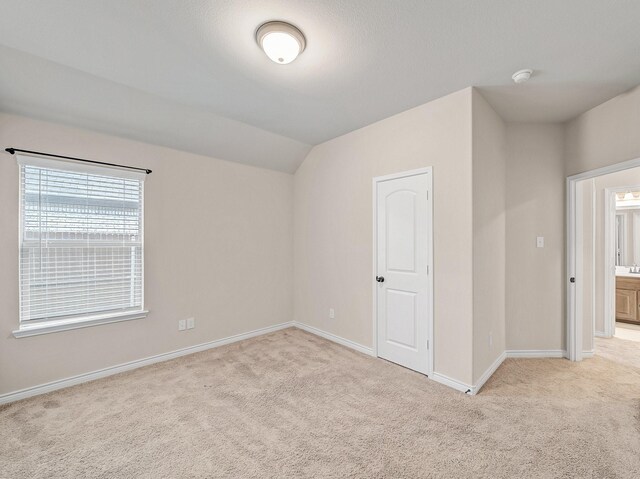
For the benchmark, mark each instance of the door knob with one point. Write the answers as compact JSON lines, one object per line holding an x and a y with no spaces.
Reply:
{"x":380,"y":279}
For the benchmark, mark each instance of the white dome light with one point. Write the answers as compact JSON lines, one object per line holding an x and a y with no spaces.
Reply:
{"x":282,"y":42}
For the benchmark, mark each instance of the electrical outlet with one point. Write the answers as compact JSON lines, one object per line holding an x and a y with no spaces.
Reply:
{"x":182,"y":325}
{"x":332,"y":313}
{"x":540,"y":241}
{"x":191,"y":323}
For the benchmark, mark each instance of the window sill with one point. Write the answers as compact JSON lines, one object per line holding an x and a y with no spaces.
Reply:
{"x":75,"y":323}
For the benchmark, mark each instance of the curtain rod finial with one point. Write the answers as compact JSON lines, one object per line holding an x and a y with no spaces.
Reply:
{"x":10,"y":150}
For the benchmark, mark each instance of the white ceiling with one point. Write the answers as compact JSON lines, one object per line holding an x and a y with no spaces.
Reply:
{"x":188,"y":74}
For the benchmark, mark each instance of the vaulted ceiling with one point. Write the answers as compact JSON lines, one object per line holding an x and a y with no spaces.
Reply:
{"x":189,"y":75}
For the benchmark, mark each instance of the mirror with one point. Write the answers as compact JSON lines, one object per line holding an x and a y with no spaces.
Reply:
{"x":628,"y":229}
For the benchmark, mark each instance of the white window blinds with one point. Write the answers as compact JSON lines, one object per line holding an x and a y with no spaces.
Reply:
{"x":81,"y":240}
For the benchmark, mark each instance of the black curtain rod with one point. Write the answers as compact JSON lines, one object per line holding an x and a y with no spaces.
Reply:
{"x":14,"y":150}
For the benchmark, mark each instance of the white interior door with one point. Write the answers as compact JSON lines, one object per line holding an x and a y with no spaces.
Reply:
{"x":403,"y":292}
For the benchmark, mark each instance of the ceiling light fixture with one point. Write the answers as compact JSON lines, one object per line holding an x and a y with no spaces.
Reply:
{"x":522,"y":76}
{"x":281,"y":41}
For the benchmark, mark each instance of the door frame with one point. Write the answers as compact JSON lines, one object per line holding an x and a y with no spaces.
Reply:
{"x":573,"y":326}
{"x":430,"y":309}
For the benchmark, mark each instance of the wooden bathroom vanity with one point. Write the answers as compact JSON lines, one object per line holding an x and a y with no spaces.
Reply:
{"x":628,"y":299}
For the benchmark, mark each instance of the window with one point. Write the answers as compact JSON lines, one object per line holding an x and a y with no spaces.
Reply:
{"x":81,"y":245}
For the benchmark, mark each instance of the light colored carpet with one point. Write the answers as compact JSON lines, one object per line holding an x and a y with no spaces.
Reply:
{"x":290,"y":404}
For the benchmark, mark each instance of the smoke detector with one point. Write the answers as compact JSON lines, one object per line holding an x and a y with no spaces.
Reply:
{"x":522,"y":76}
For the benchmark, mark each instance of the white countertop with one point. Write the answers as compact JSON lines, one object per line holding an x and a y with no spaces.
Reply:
{"x":623,"y":271}
{"x":628,"y":275}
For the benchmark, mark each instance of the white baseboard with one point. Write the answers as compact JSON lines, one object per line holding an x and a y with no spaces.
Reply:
{"x":488,"y":373}
{"x":452,"y":383}
{"x":440,"y":378}
{"x":101,"y":373}
{"x":587,"y":354}
{"x":535,"y":353}
{"x":600,"y":334}
{"x":332,"y":337}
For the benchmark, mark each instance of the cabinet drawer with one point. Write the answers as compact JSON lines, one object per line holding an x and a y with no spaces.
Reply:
{"x":625,"y":282}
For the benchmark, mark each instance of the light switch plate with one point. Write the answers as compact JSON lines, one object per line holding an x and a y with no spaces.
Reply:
{"x":182,"y":325}
{"x":332,"y":313}
{"x":191,"y":323}
{"x":540,"y":241}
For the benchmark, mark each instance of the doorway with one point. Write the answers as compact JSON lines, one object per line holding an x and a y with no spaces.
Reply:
{"x":403,"y":271}
{"x":599,"y":246}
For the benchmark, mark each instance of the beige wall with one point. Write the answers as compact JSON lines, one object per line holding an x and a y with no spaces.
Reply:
{"x":539,"y":157}
{"x":218,"y":247}
{"x":535,"y":207}
{"x":489,"y":248}
{"x":333,"y":249}
{"x":604,"y":135}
